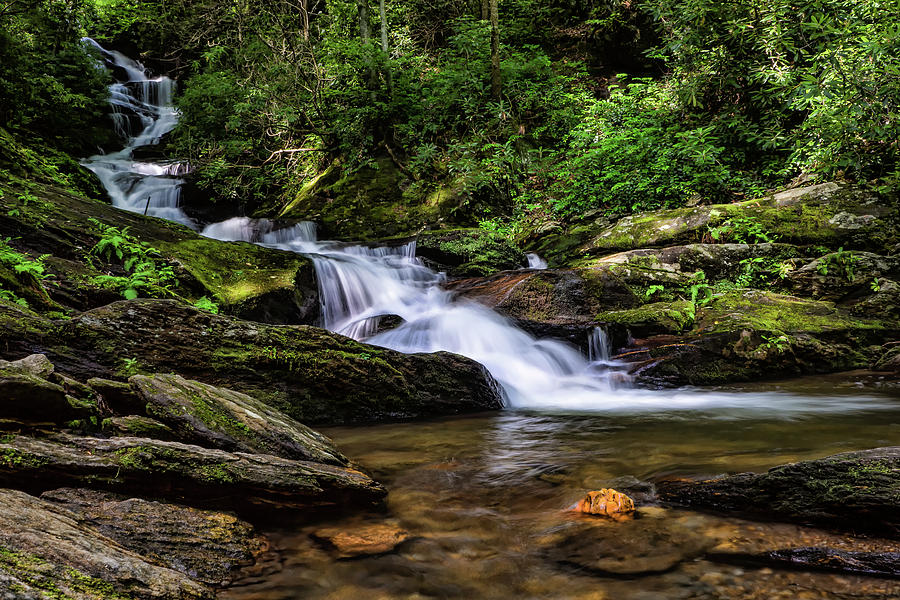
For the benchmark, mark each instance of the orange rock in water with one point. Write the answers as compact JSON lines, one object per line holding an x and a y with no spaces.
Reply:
{"x":362,"y":540}
{"x":607,"y":503}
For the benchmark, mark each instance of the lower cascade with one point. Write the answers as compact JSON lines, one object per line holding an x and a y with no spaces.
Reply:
{"x":363,"y":288}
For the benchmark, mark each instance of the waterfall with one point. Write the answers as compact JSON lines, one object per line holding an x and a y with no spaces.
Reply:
{"x":359,"y":286}
{"x":535,"y":261}
{"x":142,"y":112}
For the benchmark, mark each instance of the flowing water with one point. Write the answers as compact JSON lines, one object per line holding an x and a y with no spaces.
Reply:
{"x":483,"y":497}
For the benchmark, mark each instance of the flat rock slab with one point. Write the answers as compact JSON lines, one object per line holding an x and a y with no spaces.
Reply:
{"x":181,"y":471}
{"x":45,"y":552}
{"x":221,"y":418}
{"x":204,"y":545}
{"x":858,"y":491}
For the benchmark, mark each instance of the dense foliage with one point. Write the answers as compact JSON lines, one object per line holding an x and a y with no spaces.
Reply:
{"x":606,"y":104}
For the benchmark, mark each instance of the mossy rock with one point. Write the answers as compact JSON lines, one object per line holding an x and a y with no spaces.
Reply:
{"x":368,"y":204}
{"x":657,"y":318}
{"x":856,"y":491}
{"x":468,"y":252}
{"x":243,"y":279}
{"x":311,"y":374}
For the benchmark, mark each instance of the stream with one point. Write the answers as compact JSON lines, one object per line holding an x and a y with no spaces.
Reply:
{"x":483,"y":497}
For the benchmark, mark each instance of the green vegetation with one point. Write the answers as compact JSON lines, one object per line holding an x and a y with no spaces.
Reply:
{"x":145,"y":270}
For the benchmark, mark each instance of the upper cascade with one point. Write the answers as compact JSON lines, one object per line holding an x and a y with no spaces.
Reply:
{"x":142,"y":113}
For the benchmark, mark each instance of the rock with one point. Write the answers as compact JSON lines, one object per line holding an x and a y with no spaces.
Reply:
{"x":843,"y":275}
{"x":196,"y":475}
{"x":890,"y":361}
{"x":362,"y":540}
{"x":26,"y":397}
{"x":371,"y":203}
{"x":117,"y":396}
{"x":607,"y":503}
{"x":468,"y":252}
{"x":45,"y":552}
{"x":244,"y":279}
{"x":138,"y":426}
{"x":857,"y":491}
{"x":638,"y":548}
{"x":221,"y":418}
{"x":204,"y":545}
{"x":749,"y":334}
{"x":874,"y":564}
{"x":313,"y":375}
{"x":36,"y":365}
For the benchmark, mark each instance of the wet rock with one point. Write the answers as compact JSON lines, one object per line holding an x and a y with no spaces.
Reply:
{"x":843,"y":275}
{"x":890,"y":360}
{"x":45,"y":549}
{"x":468,"y":252}
{"x":607,"y":503}
{"x":204,"y":545}
{"x":362,"y":540}
{"x":139,"y":426}
{"x":244,"y":279}
{"x":638,"y":548}
{"x":749,"y":334}
{"x":858,"y":491}
{"x":312,"y":375}
{"x":876,"y":564}
{"x":27,"y":397}
{"x":200,"y":476}
{"x":221,"y":418}
{"x":117,"y":396}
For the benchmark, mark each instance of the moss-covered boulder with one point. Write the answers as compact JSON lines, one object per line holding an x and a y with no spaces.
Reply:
{"x":844,"y":275}
{"x":370,"y":203}
{"x":468,"y":252}
{"x":27,"y":396}
{"x":46,"y":552}
{"x":207,"y":546}
{"x":750,"y":334}
{"x":221,"y":418}
{"x":313,"y":375}
{"x":243,"y":279}
{"x":858,"y":491}
{"x":828,"y":214}
{"x":182,"y":472}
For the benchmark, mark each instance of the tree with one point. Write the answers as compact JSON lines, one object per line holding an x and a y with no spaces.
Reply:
{"x":496,"y":80}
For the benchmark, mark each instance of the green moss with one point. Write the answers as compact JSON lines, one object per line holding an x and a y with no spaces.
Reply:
{"x":215,"y":474}
{"x":657,"y":317}
{"x":65,"y":583}
{"x":12,"y":458}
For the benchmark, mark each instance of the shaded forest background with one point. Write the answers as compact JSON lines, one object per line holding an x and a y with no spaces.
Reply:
{"x":590,"y":105}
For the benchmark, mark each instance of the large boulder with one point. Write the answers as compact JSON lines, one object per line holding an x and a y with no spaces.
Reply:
{"x":243,"y":279}
{"x":221,"y":418}
{"x":196,"y":475}
{"x":828,"y":214}
{"x":858,"y":491}
{"x":205,"y":545}
{"x":313,"y":375}
{"x":27,"y":396}
{"x":46,"y":552}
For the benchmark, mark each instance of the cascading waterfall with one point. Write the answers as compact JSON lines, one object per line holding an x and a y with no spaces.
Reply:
{"x":142,"y":112}
{"x":360,"y":285}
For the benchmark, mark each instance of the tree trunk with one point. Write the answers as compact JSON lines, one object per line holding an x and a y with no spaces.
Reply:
{"x":384,"y":44}
{"x":485,"y":10}
{"x":304,"y":19}
{"x":496,"y":81}
{"x":365,"y":29}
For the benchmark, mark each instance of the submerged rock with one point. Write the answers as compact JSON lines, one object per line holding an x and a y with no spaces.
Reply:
{"x":45,"y":549}
{"x":363,"y":540}
{"x":312,"y":375}
{"x":204,"y":545}
{"x":858,"y":491}
{"x":180,"y":471}
{"x":607,"y":503}
{"x":221,"y":418}
{"x":874,"y":564}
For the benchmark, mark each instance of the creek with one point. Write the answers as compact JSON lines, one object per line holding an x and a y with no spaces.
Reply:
{"x":483,"y":496}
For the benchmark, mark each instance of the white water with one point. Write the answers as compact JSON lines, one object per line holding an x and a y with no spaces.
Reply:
{"x":359,"y":285}
{"x":142,"y":112}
